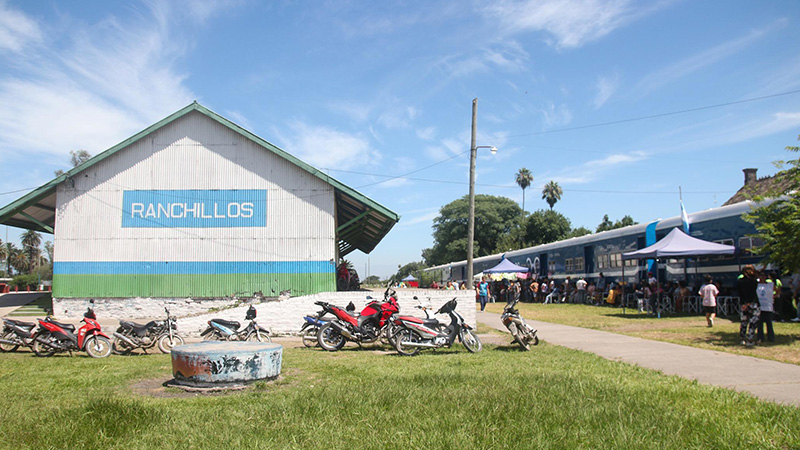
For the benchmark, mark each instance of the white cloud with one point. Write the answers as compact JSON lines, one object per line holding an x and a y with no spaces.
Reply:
{"x":424,"y":218}
{"x":322,"y":146}
{"x":701,"y":60}
{"x":606,"y":86}
{"x":94,"y":86}
{"x":569,"y":23}
{"x":17,"y":30}
{"x":397,"y":117}
{"x":556,"y":116}
{"x":592,"y":170}
{"x":426,"y":134}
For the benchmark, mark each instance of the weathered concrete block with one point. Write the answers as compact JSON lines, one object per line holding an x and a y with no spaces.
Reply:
{"x":225,"y":363}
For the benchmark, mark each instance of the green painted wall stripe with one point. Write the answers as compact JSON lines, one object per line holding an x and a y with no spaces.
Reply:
{"x":193,"y":286}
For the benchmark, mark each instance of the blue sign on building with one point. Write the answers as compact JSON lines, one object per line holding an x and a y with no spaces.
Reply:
{"x":194,"y":208}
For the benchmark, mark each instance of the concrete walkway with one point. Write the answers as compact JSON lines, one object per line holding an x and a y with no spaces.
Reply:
{"x":768,"y":380}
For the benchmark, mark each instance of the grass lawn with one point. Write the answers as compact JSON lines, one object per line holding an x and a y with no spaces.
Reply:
{"x":679,"y":329}
{"x":551,"y":397}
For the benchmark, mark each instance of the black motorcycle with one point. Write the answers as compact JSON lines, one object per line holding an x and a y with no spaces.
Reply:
{"x":228,"y":330}
{"x":16,"y":333}
{"x":131,"y":335}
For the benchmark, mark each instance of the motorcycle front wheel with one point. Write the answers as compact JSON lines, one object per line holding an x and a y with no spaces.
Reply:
{"x":470,"y":340}
{"x":310,"y":337}
{"x":258,"y":337}
{"x":213,"y":336}
{"x":330,"y":339}
{"x":43,"y":349}
{"x":8,"y":336}
{"x":97,"y":346}
{"x":165,"y":344}
{"x":120,"y":347}
{"x":401,"y":340}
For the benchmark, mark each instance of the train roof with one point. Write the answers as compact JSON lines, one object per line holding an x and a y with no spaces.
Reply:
{"x":736,"y":209}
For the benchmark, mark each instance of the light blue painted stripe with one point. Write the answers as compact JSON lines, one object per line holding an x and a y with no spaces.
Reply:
{"x":193,"y":267}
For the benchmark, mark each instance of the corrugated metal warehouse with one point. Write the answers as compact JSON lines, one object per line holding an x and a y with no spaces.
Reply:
{"x":197,"y":207}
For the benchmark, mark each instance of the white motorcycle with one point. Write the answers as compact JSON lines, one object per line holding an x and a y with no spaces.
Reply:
{"x":523,"y":333}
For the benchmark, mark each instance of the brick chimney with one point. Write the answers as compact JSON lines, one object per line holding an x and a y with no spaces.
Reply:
{"x":749,"y":176}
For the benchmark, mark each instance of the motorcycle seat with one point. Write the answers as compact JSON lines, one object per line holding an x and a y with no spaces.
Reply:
{"x":227,"y":323}
{"x":138,"y":328}
{"x":66,"y":326}
{"x":426,"y":322}
{"x":20,"y":323}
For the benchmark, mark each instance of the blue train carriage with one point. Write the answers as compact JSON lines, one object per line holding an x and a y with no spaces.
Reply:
{"x":590,"y":255}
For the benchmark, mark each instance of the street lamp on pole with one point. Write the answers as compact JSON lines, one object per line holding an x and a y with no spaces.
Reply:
{"x":473,"y":151}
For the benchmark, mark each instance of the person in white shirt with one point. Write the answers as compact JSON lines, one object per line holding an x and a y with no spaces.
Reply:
{"x":709,"y":292}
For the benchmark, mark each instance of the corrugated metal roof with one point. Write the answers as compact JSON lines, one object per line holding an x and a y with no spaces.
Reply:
{"x":362,"y":222}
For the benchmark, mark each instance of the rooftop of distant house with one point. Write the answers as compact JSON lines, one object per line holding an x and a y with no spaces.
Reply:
{"x":757,"y":186}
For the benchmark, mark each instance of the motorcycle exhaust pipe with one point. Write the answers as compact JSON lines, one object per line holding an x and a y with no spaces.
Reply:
{"x":343,"y":331}
{"x":124,"y":338}
{"x":4,"y":341}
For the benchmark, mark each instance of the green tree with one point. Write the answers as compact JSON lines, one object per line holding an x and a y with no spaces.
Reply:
{"x":31,"y":240}
{"x":76,"y":158}
{"x":50,"y":250}
{"x":578,"y":232}
{"x":545,"y":226}
{"x":524,"y":179}
{"x":494,"y":217}
{"x":19,"y":261}
{"x":372,"y":280}
{"x":9,"y":250}
{"x":778,"y":224}
{"x":606,"y":224}
{"x":551,"y":193}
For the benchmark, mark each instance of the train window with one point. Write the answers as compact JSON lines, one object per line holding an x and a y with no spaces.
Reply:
{"x":568,"y":264}
{"x":551,"y":266}
{"x":579,"y":265}
{"x":602,"y":261}
{"x":615,"y":260}
{"x":747,"y":244}
{"x":630,"y":263}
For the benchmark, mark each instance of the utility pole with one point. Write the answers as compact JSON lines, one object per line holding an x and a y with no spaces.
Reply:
{"x":473,"y":150}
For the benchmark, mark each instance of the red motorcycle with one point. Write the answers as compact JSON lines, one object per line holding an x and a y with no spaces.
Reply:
{"x":364,"y":328}
{"x":55,"y":337}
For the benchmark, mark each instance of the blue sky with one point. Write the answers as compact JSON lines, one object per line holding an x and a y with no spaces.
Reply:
{"x":369,"y":90}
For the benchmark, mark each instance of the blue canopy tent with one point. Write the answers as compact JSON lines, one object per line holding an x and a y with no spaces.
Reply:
{"x":410,"y":281}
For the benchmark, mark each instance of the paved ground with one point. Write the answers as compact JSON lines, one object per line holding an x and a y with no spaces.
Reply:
{"x":768,"y":380}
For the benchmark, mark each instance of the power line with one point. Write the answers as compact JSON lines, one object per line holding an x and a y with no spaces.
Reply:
{"x":654,"y":116}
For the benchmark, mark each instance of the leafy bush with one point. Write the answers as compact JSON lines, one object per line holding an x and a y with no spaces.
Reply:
{"x":23,"y":281}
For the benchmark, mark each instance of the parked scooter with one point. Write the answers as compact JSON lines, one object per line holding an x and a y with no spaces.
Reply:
{"x":55,"y":337}
{"x":310,"y":328}
{"x":16,"y":333}
{"x":131,"y":335}
{"x":415,"y":333}
{"x":523,"y":333}
{"x":365,"y":328}
{"x":228,"y":330}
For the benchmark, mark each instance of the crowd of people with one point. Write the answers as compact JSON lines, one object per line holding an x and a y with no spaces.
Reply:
{"x":762,"y":296}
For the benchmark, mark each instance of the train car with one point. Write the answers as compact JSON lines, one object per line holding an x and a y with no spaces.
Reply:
{"x":589,"y":256}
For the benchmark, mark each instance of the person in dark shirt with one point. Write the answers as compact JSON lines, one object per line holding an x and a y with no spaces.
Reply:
{"x":747,"y":286}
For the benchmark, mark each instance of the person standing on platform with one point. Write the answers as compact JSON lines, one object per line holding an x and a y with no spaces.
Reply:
{"x":766,"y":301}
{"x":709,"y":292}
{"x":483,"y":292}
{"x":747,"y":286}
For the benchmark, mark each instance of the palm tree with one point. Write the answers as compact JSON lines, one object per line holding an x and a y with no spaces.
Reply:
{"x":524,"y":179}
{"x":9,"y":250}
{"x":552,"y":193}
{"x":30,"y":242}
{"x":4,"y":256}
{"x":20,"y":262}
